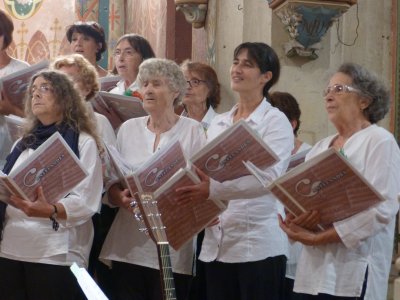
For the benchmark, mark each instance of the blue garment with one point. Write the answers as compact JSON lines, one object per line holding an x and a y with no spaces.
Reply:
{"x":39,"y":135}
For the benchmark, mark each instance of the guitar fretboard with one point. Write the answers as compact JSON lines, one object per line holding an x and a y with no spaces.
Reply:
{"x":167,"y":279}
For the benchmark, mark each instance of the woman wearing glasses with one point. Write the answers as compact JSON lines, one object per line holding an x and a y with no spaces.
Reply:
{"x":35,"y":255}
{"x":88,"y":39}
{"x":130,"y":52}
{"x":203,"y":93}
{"x":351,"y":260}
{"x":202,"y":97}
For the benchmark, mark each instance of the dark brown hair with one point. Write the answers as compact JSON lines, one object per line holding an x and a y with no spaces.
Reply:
{"x":92,"y":29}
{"x":6,"y":28}
{"x":287,"y":104}
{"x":266,"y":59}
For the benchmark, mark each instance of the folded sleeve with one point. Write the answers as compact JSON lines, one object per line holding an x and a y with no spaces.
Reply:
{"x":382,"y":166}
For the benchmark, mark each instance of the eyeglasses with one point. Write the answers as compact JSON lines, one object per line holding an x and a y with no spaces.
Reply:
{"x":44,"y":88}
{"x":194,"y":82}
{"x":126,"y":52}
{"x":340,"y":88}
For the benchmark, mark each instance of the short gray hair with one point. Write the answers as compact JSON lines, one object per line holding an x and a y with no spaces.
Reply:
{"x":160,"y":67}
{"x":371,"y":87}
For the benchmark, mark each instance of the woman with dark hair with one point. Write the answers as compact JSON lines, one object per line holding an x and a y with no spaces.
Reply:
{"x":352,"y":258}
{"x":8,"y":65}
{"x":34,"y":255}
{"x":89,"y":40}
{"x":245,"y":253}
{"x":131,"y":50}
{"x":288,"y":104}
{"x":203,"y":94}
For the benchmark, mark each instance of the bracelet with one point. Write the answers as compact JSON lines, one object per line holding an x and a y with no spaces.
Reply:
{"x":53,"y":218}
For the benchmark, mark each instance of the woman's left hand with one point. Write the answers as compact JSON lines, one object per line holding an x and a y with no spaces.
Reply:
{"x":38,"y":208}
{"x":297,"y":233}
{"x":198,"y":192}
{"x":308,"y":237}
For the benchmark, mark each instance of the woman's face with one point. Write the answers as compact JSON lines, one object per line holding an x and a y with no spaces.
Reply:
{"x":84,"y":45}
{"x":157,"y":95}
{"x":73,"y":72}
{"x":44,"y":105}
{"x":246,"y":76}
{"x":127,"y":61}
{"x":197,"y":90}
{"x":342,"y":102}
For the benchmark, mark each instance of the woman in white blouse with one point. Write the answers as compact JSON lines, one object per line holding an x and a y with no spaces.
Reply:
{"x":203,"y":94}
{"x":133,"y":254}
{"x":351,"y":259}
{"x":8,"y":65}
{"x":245,"y":253}
{"x":35,"y":251}
{"x":131,"y":50}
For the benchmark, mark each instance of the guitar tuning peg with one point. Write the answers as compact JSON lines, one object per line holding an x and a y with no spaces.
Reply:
{"x":144,"y":230}
{"x":138,"y":216}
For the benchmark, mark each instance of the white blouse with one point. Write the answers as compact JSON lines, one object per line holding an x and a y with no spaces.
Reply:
{"x":248,"y":228}
{"x":120,"y":88}
{"x":124,"y":242}
{"x":5,"y":140}
{"x":33,"y":239}
{"x":367,"y":237}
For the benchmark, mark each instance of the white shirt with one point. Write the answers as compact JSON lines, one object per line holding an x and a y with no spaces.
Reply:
{"x":5,"y":141}
{"x":13,"y":66}
{"x":105,"y":129}
{"x":34,"y":240}
{"x":124,"y":242}
{"x":121,"y":88}
{"x":295,"y":247}
{"x":208,"y":117}
{"x":367,"y":237}
{"x":248,"y":228}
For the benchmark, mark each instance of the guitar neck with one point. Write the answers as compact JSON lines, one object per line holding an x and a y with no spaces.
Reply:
{"x":167,"y":279}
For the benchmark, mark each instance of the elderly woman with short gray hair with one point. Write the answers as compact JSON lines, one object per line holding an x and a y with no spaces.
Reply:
{"x":351,"y":259}
{"x":133,"y":254}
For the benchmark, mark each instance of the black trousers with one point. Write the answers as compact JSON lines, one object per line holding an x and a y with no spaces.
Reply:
{"x":259,"y":280}
{"x":32,"y":281}
{"x":135,"y":282}
{"x":102,"y":273}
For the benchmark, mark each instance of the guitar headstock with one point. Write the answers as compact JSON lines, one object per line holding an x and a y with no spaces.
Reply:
{"x":151,"y":217}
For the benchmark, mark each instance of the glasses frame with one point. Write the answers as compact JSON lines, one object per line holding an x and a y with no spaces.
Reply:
{"x":43,"y":89}
{"x":339,"y":89}
{"x":192,"y":82}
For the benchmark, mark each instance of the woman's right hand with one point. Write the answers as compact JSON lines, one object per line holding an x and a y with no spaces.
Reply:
{"x":120,"y":197}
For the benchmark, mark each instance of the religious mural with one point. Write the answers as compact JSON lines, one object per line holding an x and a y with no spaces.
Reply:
{"x":39,"y":35}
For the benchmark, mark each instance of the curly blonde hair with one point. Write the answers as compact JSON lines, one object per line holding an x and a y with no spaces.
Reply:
{"x":74,"y":110}
{"x":87,"y":72}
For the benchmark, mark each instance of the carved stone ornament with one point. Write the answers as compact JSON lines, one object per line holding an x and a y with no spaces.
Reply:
{"x":195,"y":11}
{"x":307,"y":21}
